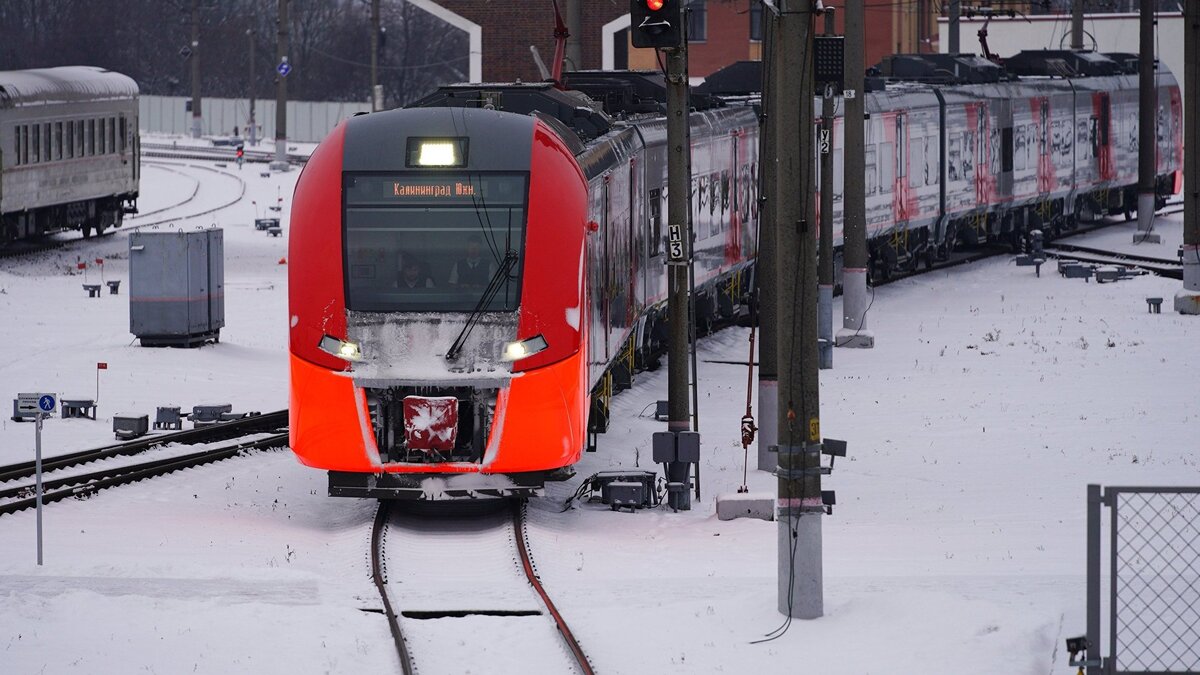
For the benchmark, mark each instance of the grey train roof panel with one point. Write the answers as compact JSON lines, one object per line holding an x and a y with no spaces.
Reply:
{"x":65,"y":84}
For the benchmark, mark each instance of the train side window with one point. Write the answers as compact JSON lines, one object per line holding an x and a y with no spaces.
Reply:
{"x":36,"y":144}
{"x":79,"y":146}
{"x":17,"y":144}
{"x":887,"y":166}
{"x":870,"y":176}
{"x":655,"y":222}
{"x":112,"y":134}
{"x":69,"y":140}
{"x":1006,"y":149}
{"x":122,"y":134}
{"x":58,"y":140}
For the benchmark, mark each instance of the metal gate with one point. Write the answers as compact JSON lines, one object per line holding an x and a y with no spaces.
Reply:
{"x":1153,"y":606}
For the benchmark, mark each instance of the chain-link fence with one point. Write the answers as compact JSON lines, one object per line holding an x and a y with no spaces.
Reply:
{"x":1154,"y":580}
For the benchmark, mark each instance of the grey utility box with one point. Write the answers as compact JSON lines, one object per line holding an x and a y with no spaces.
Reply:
{"x":176,"y":287}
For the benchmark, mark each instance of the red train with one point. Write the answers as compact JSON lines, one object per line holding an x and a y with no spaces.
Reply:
{"x":473,"y":278}
{"x":462,"y":278}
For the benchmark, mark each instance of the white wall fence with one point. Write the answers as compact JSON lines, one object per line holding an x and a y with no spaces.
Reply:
{"x":307,"y":121}
{"x":1111,"y":32}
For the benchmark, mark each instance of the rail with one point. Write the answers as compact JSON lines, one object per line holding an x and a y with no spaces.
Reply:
{"x":88,"y":484}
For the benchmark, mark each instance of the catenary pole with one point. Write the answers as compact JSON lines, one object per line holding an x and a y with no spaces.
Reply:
{"x":854,"y":206}
{"x":196,"y":120}
{"x":678,"y":168}
{"x":574,"y":53}
{"x":1147,"y":128}
{"x":768,"y":374}
{"x":798,"y":503}
{"x":281,"y":51}
{"x":1187,"y":300}
{"x":1077,"y":24}
{"x":955,"y":11}
{"x":825,"y":252}
{"x":253,"y":124}
{"x":376,"y":94}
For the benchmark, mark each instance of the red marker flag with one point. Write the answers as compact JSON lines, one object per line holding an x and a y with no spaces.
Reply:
{"x":82,"y":265}
{"x":101,"y":366}
{"x":99,"y":261}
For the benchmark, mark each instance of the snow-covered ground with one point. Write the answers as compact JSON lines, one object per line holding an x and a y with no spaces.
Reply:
{"x":990,"y":401}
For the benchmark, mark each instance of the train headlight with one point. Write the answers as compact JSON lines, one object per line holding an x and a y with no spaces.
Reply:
{"x":437,"y":152}
{"x":340,"y":348}
{"x":515,"y":351}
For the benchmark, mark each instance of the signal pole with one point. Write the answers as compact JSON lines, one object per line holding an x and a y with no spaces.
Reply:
{"x":678,"y":179}
{"x":854,"y":205}
{"x":196,"y":121}
{"x":825,"y":253}
{"x":952,"y":28}
{"x":253,"y":123}
{"x":281,"y":51}
{"x":1147,"y":128}
{"x":768,"y":372}
{"x":1187,"y":300}
{"x":798,"y":505}
{"x":1077,"y":25}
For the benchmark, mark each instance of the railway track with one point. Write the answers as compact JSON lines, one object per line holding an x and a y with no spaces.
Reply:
{"x":215,"y":153}
{"x":1160,"y":266}
{"x":269,"y":422}
{"x":22,"y":496}
{"x":478,"y":568}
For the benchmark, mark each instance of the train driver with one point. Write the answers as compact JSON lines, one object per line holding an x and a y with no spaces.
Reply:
{"x":472,"y":271}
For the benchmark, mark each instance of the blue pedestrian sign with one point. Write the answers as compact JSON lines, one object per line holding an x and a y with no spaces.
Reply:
{"x":283,"y":68}
{"x":46,"y":403}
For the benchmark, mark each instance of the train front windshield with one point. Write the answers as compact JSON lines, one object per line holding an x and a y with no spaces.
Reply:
{"x":433,"y":242}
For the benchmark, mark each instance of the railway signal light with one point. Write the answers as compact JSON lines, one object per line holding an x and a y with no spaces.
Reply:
{"x":656,"y":23}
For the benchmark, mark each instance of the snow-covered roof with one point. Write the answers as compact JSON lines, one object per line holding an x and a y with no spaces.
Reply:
{"x":63,"y":85}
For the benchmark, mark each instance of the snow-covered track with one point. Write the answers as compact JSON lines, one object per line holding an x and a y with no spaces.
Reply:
{"x":83,"y":485}
{"x":1160,"y":266}
{"x":268,"y":422}
{"x":468,"y":581}
{"x":219,"y":154}
{"x":136,"y":222}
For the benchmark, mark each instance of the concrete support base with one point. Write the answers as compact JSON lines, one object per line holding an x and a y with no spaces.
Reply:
{"x":196,"y":126}
{"x":1187,"y":300}
{"x":759,"y":505}
{"x":825,"y":327}
{"x":855,"y":339}
{"x":854,"y":333}
{"x":279,"y":166}
{"x":1145,"y":215}
{"x":768,"y":423}
{"x":801,"y":589}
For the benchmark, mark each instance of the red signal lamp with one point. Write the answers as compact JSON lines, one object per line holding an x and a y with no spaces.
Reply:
{"x":654,"y":5}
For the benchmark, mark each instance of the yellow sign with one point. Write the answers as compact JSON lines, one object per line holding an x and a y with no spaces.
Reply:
{"x":814,"y":430}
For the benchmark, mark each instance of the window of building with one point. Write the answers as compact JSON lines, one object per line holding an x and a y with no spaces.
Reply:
{"x":756,"y":21}
{"x":697,"y":20}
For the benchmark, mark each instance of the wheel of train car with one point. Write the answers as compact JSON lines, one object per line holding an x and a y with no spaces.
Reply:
{"x":929,"y":256}
{"x":1128,"y":211}
{"x":86,"y":229}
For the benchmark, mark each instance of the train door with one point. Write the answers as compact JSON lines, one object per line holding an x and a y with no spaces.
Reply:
{"x":1101,"y":136}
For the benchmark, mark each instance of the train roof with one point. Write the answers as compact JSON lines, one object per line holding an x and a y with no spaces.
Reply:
{"x":64,"y":84}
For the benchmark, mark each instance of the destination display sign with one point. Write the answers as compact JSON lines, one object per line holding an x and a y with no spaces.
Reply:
{"x":486,"y":190}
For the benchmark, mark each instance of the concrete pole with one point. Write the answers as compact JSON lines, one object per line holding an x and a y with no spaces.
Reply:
{"x":376,"y":103}
{"x":955,"y":12}
{"x":1077,"y":25}
{"x":196,"y":121}
{"x":574,"y":53}
{"x":1187,"y":300}
{"x":281,"y":51}
{"x":798,"y":503}
{"x":768,"y":373}
{"x":678,"y":184}
{"x":854,"y":198}
{"x":825,"y":252}
{"x":253,"y":124}
{"x":1147,"y":127}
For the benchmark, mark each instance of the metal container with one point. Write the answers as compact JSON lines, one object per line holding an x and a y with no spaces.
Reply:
{"x":177,"y":287}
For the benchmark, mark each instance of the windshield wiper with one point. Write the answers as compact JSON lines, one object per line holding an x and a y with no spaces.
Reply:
{"x":498,"y":279}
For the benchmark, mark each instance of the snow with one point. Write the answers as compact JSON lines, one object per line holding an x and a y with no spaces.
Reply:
{"x":991,"y":399}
